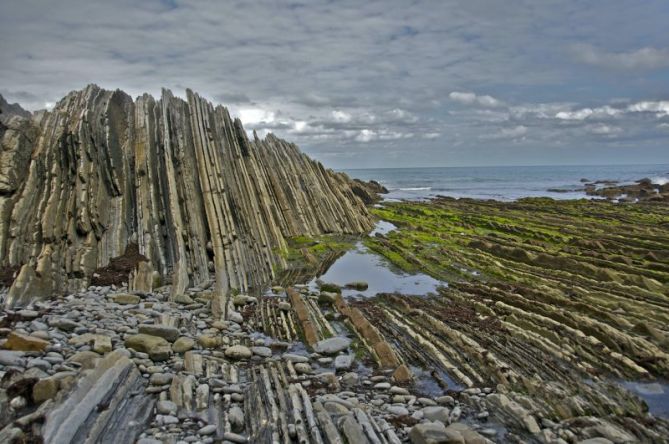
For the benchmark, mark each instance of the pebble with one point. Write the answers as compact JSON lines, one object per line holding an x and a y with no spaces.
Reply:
{"x":294,"y":358}
{"x":238,"y":352}
{"x":166,"y":407}
{"x":207,"y":430}
{"x":264,"y":352}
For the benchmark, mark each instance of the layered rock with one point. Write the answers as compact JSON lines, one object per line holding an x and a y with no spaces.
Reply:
{"x":178,"y":178}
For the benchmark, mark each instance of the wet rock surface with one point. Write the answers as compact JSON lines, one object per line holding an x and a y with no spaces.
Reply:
{"x":551,"y":304}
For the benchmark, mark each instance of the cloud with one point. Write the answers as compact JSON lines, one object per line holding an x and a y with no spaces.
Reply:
{"x":232,"y":98}
{"x":639,"y":59}
{"x":657,"y":109}
{"x":468,"y":98}
{"x":361,"y":80}
{"x":604,"y":130}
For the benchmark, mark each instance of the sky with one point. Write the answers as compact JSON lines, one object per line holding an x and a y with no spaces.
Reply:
{"x":360,"y":84}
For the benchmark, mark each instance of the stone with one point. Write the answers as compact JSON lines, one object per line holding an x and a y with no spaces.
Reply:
{"x":294,"y":358}
{"x":332,"y":346}
{"x":235,"y":316}
{"x":234,"y":437}
{"x":357,"y":285}
{"x":169,"y":333}
{"x":20,"y":342}
{"x":238,"y":352}
{"x":45,"y":389}
{"x":207,"y":430}
{"x":166,"y":407}
{"x":18,"y":403}
{"x":126,"y":299}
{"x":264,"y":352}
{"x":436,"y":413}
{"x":236,"y":418}
{"x":108,"y":395}
{"x":302,"y":368}
{"x":209,"y":341}
{"x":397,"y":410}
{"x":161,"y":378}
{"x":433,"y":433}
{"x":87,"y":359}
{"x":157,"y":348}
{"x":27,"y":314}
{"x":12,"y":358}
{"x":350,"y":379}
{"x":343,"y":362}
{"x":64,"y":324}
{"x":183,"y":344}
{"x":102,"y":344}
{"x":326,"y":297}
{"x":402,"y":374}
{"x":465,"y":434}
{"x":285,"y":306}
{"x":242,"y":299}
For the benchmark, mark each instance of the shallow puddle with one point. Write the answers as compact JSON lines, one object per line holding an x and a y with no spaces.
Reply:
{"x":656,"y":395}
{"x":361,"y":264}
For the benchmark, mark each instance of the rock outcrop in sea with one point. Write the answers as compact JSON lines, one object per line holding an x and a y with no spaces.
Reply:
{"x":172,"y":188}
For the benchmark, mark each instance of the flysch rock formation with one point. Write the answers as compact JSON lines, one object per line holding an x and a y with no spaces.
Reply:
{"x":179,"y":180}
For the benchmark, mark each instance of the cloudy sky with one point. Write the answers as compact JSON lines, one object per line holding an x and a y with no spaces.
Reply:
{"x":374,"y":83}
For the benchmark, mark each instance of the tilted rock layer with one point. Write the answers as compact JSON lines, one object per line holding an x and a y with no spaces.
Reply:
{"x":180,"y":179}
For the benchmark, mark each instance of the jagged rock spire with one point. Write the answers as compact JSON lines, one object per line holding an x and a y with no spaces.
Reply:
{"x":178,"y":178}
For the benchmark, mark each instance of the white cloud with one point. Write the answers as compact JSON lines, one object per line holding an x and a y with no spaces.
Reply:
{"x":366,"y":135}
{"x":604,"y":130}
{"x":469,"y":98}
{"x":513,"y":133}
{"x":640,"y":59}
{"x":255,"y":116}
{"x":341,"y":116}
{"x":659,"y":108}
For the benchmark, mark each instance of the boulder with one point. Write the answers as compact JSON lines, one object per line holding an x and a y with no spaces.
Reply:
{"x":157,"y":348}
{"x":209,"y":341}
{"x":87,"y":359}
{"x":45,"y":389}
{"x":20,"y":342}
{"x":238,"y":352}
{"x":326,"y":297}
{"x":12,"y":358}
{"x":343,"y":362}
{"x":164,"y":331}
{"x":357,"y":285}
{"x":433,"y":433}
{"x":126,"y":299}
{"x":183,"y":344}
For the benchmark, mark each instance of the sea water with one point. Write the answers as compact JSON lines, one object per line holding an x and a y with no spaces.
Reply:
{"x":504,"y":183}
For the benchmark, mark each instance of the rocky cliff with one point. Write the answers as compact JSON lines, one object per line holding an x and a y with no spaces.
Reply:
{"x":176,"y":179}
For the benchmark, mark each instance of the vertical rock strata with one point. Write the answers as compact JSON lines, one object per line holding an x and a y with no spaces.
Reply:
{"x":180,"y":179}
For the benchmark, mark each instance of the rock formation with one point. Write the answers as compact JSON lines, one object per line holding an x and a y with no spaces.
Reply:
{"x":179,"y":179}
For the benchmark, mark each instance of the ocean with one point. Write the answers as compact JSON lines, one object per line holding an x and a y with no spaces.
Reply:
{"x":503,"y":183}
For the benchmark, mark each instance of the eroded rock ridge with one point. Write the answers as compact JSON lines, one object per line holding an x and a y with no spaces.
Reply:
{"x":177,"y":178}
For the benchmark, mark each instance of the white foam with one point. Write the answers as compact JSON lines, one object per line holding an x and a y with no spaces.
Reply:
{"x":660,"y":180}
